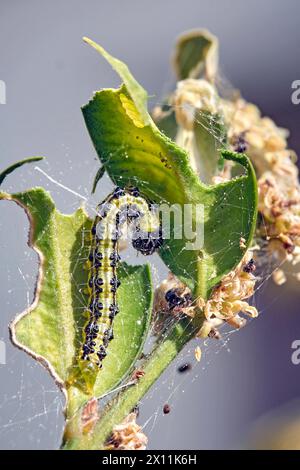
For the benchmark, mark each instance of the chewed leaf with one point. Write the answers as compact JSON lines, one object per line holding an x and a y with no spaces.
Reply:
{"x":146,"y":158}
{"x":51,"y":329}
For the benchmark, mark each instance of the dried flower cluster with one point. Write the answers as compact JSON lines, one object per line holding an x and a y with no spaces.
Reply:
{"x":127,"y":436}
{"x":191,"y":97}
{"x":279,"y":189}
{"x":227,"y":301}
{"x":278,"y":229}
{"x":266,"y":146}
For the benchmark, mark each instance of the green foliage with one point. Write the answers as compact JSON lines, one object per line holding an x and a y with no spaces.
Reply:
{"x":134,"y":151}
{"x":51,"y":330}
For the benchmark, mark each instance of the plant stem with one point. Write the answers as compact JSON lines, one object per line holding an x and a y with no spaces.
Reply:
{"x":200,"y":290}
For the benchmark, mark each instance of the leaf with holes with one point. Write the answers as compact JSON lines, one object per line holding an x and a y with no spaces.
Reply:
{"x":51,"y":329}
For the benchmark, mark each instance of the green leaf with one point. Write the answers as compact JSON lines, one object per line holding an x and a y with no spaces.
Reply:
{"x":51,"y":329}
{"x":16,"y":165}
{"x":196,"y":54}
{"x":137,"y":153}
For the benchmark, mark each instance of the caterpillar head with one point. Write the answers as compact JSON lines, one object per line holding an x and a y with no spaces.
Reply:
{"x":147,"y":243}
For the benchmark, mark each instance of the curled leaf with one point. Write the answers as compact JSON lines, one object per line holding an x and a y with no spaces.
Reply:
{"x":145,"y":157}
{"x":16,"y":165}
{"x":196,"y":55}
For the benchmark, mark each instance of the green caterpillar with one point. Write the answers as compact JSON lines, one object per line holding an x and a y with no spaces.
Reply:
{"x":122,"y":206}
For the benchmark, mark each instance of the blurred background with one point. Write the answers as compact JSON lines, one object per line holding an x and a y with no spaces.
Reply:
{"x":246,"y":384}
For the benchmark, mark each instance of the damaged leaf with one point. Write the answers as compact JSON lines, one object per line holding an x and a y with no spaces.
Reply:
{"x":51,"y":329}
{"x":134,"y":152}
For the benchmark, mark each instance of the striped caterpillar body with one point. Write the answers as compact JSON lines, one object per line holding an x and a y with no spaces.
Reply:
{"x":123,"y":206}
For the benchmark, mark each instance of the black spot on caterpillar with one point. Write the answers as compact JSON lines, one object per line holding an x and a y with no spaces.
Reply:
{"x":122,"y":206}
